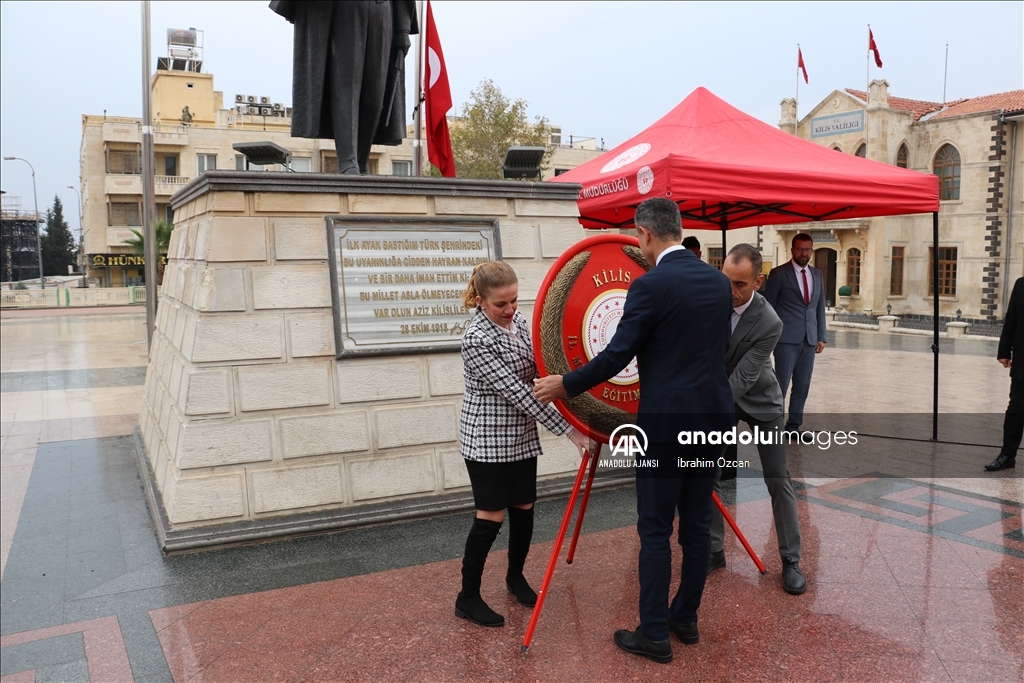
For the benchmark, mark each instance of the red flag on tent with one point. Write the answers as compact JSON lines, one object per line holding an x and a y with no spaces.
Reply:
{"x":874,"y":48}
{"x":800,"y":63}
{"x":438,"y":101}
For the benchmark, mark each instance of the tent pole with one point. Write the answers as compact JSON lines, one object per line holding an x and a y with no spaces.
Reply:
{"x":935,"y":338}
{"x":725,"y":228}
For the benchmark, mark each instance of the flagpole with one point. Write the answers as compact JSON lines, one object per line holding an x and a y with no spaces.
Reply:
{"x":798,"y":55}
{"x":867,"y":92}
{"x":945,"y":74}
{"x":417,"y":141}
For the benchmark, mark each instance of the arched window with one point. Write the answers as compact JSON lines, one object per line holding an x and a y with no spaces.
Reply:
{"x":853,"y":270}
{"x":862,"y":151}
{"x":836,"y":148}
{"x":947,"y":167}
{"x":903,"y":156}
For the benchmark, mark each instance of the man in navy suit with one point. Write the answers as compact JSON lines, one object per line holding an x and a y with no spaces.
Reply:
{"x":1011,"y":350}
{"x":796,"y":292}
{"x":676,"y":322}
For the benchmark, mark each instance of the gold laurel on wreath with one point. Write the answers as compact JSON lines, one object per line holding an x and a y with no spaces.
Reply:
{"x":636,"y":255}
{"x":592,"y":412}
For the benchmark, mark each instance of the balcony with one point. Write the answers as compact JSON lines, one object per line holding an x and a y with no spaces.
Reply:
{"x":170,"y":135}
{"x":121,"y":132}
{"x":169,"y":184}
{"x":123,"y":183}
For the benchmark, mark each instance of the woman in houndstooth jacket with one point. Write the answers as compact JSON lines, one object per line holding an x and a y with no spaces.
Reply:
{"x":498,"y":434}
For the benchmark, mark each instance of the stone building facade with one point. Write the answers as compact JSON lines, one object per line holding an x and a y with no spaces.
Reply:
{"x":973,"y":145}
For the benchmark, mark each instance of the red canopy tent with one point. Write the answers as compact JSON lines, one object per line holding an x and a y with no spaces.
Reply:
{"x":725,"y":169}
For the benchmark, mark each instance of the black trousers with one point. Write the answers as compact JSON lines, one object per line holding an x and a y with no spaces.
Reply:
{"x":657,"y":499}
{"x":1013,"y":423}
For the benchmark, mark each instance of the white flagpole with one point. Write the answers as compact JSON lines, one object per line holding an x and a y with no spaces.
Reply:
{"x":417,"y":141}
{"x":798,"y":59}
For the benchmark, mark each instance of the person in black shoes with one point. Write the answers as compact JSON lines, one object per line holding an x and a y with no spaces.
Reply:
{"x":756,"y":329}
{"x":498,"y":434}
{"x":1011,"y":346}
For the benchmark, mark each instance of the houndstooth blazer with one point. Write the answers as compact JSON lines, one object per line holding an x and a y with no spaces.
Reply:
{"x":499,"y":412}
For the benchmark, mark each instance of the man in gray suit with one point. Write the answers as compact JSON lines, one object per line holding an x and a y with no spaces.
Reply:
{"x":796,"y":292}
{"x":755,"y":330}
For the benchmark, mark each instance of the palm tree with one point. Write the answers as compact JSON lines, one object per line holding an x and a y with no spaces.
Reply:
{"x":163,"y":231}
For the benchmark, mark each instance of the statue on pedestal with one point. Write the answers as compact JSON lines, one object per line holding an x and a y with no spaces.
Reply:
{"x":348,"y":79}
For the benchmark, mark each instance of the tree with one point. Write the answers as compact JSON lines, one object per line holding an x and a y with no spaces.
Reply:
{"x":163,"y":231}
{"x":57,"y":243}
{"x":490,"y":124}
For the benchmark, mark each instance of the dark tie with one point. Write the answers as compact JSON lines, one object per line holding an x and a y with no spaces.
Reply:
{"x":807,"y":292}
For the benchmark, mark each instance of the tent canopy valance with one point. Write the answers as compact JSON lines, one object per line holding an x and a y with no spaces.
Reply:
{"x":726,"y":169}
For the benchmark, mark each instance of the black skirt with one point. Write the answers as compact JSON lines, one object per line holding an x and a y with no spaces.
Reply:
{"x":501,"y":485}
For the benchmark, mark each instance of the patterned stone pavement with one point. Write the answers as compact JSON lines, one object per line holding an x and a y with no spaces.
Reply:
{"x":911,"y":577}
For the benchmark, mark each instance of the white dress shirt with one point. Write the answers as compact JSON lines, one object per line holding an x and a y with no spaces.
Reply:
{"x":737,"y":311}
{"x":800,"y":279}
{"x":674,"y":247}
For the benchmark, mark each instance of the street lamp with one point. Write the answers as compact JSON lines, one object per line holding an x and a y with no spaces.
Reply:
{"x":81,"y":235}
{"x":35,"y":198}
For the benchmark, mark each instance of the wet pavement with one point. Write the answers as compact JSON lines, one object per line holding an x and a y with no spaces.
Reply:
{"x":910,"y":578}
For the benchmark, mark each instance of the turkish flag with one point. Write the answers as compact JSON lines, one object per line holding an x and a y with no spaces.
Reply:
{"x":438,"y":101}
{"x":800,"y":63}
{"x":874,"y":48}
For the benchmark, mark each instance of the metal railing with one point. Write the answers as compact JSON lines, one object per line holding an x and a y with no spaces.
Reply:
{"x":65,"y":298}
{"x":171,"y":179}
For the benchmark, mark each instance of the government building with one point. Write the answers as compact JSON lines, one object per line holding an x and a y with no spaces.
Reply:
{"x":974,"y":147}
{"x":193,"y":131}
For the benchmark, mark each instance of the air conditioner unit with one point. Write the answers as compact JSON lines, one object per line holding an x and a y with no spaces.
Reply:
{"x":278,"y":114}
{"x":266,"y":111}
{"x":254,"y":111}
{"x":264,"y":100}
{"x":239,"y":99}
{"x":278,"y":106}
{"x":251,"y":99}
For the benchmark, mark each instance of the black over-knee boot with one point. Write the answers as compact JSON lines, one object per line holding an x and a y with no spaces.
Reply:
{"x":469,"y":604}
{"x":520,"y":534}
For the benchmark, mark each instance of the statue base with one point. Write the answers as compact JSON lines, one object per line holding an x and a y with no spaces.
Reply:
{"x":251,"y":426}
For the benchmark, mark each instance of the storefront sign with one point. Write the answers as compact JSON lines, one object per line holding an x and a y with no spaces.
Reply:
{"x":398,"y":283}
{"x":120,"y":261}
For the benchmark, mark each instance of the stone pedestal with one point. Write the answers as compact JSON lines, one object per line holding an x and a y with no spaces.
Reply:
{"x":956,"y":329}
{"x":887,"y":322}
{"x":251,"y":427}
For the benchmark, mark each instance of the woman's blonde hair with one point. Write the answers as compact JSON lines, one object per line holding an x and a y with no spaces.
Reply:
{"x":486,"y":278}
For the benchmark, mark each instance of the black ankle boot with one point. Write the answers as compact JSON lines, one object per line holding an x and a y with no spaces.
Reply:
{"x":520,"y":534}
{"x":469,"y":604}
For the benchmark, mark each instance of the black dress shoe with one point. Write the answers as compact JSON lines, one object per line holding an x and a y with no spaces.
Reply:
{"x":686,"y":633}
{"x":1003,"y":462}
{"x":716,"y":561}
{"x":477,"y":611}
{"x":636,"y":643}
{"x":518,"y":586}
{"x":793,"y":581}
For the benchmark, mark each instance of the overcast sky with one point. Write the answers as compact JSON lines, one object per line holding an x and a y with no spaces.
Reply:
{"x":598,"y":69}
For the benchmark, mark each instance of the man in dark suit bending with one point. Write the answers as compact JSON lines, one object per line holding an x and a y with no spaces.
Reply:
{"x":676,"y":323}
{"x":796,"y":292}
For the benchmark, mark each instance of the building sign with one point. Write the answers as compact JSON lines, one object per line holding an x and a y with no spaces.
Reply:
{"x":120,"y":261}
{"x":398,"y":283}
{"x":837,"y":124}
{"x":822,"y":236}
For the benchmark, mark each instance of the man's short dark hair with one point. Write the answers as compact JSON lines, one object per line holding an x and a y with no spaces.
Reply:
{"x":801,"y":237}
{"x":691,"y":243}
{"x":661,"y":217}
{"x":745,"y":252}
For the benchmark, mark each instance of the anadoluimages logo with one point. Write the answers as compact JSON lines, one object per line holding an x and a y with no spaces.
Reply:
{"x":627,"y":445}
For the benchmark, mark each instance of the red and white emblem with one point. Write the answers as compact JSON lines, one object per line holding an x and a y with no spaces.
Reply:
{"x":579,"y":307}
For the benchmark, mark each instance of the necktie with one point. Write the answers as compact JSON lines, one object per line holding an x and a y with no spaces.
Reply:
{"x":807,"y":291}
